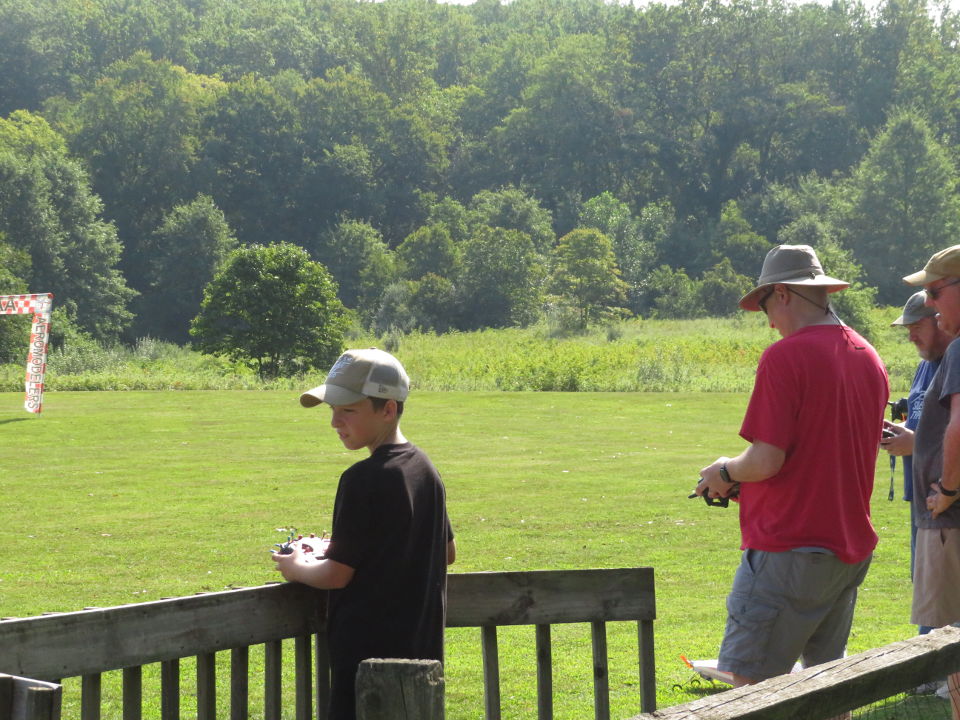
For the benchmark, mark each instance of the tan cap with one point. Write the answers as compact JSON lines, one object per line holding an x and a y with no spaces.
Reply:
{"x":915,"y":309}
{"x":358,"y":374}
{"x":945,"y":263}
{"x":791,"y":265}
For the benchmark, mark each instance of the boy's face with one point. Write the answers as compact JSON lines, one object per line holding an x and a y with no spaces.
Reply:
{"x":360,"y":425}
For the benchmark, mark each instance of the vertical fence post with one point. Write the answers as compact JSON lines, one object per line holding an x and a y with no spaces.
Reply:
{"x":400,"y":690}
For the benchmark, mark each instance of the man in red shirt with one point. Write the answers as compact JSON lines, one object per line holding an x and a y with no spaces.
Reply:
{"x":804,"y":481}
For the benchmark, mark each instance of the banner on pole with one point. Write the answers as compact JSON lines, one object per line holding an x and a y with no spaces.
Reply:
{"x":40,"y":305}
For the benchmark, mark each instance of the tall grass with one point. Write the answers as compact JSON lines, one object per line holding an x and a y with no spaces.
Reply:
{"x":707,"y":355}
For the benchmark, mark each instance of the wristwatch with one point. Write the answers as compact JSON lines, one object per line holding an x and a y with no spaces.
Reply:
{"x":725,"y":476}
{"x":944,"y":491}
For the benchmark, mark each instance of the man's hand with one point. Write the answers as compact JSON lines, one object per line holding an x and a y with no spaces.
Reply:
{"x":937,"y":502}
{"x":711,"y":483}
{"x":902,"y":441}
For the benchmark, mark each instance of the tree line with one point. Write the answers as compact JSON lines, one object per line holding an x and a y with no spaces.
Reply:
{"x":457,"y":167}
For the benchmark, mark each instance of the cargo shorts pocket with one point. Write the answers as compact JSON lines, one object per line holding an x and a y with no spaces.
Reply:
{"x":750,"y":624}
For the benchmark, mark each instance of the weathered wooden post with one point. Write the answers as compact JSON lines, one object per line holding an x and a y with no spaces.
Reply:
{"x":400,"y":690}
{"x":27,"y":699}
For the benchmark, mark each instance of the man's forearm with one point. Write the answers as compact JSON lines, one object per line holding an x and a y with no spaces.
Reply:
{"x":756,"y":463}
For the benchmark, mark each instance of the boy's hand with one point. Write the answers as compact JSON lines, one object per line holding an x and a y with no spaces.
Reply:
{"x":287,"y":563}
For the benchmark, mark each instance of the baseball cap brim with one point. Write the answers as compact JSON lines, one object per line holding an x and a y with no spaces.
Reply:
{"x":923,"y":277}
{"x":330,"y":394}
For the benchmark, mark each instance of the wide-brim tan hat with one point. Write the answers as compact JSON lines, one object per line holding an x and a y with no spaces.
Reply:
{"x":945,"y":263}
{"x":915,"y":310}
{"x":790,"y":265}
{"x":358,"y":374}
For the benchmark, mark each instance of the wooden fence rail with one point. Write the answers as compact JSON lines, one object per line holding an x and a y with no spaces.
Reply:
{"x":828,"y":690}
{"x":88,"y":643}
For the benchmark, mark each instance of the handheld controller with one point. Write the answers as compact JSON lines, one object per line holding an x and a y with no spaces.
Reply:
{"x":309,"y":545}
{"x":717,"y":501}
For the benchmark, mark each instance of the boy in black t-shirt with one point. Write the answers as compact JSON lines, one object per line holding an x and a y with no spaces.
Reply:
{"x":386,"y":565}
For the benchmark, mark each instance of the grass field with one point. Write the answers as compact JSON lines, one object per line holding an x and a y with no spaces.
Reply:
{"x":111,"y":498}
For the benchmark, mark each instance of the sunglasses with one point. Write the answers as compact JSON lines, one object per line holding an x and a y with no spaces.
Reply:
{"x":762,"y":302}
{"x":934,"y":293}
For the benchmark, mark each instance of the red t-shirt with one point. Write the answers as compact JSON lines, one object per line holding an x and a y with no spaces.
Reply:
{"x":820,"y":396}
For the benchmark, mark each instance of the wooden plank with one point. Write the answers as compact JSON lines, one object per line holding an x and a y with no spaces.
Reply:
{"x":272,"y":671}
{"x":601,"y":671}
{"x":549,"y":596}
{"x":207,"y":686}
{"x":544,"y":673}
{"x":6,"y":696}
{"x":170,"y":690}
{"x":41,"y":703}
{"x":491,"y":672}
{"x":322,"y":675}
{"x":400,"y":690}
{"x":28,"y":699}
{"x":826,"y":690}
{"x":101,"y":639}
{"x":90,"y":697}
{"x":648,"y":665}
{"x":303,"y":668}
{"x":240,"y":683}
{"x":132,"y":693}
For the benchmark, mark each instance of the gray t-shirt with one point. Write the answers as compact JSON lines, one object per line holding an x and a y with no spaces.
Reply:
{"x":928,"y":442}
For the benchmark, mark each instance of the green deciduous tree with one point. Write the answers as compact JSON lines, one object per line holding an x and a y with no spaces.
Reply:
{"x":721,"y":287}
{"x":513,"y":209}
{"x":501,"y":283}
{"x":14,"y":329}
{"x":903,"y":204}
{"x":672,"y":293}
{"x":429,"y":249}
{"x":585,"y":273}
{"x":139,"y":132}
{"x":48,"y":211}
{"x":632,"y":246}
{"x":359,"y":260}
{"x":274,"y":308}
{"x":187,"y":249}
{"x":567,"y":137}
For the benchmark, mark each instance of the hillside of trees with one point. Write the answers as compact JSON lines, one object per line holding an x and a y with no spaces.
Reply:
{"x":459,"y":167}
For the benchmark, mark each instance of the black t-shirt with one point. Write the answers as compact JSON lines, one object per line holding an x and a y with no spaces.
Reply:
{"x":390,"y":525}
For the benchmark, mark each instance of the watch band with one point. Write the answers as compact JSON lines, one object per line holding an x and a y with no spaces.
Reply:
{"x":725,"y":476}
{"x":944,"y":491}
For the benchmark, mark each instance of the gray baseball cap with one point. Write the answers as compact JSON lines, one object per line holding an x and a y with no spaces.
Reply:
{"x":915,"y":310}
{"x":358,"y":374}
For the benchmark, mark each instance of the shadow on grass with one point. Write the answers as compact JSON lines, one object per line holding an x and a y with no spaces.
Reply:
{"x":906,"y":707}
{"x":10,"y":420}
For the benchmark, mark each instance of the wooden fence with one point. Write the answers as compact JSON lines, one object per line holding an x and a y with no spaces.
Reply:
{"x":817,"y":693}
{"x":828,"y":690}
{"x":96,"y":640}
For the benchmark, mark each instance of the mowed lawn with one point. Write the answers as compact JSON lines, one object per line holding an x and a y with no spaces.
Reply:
{"x":113,"y":498}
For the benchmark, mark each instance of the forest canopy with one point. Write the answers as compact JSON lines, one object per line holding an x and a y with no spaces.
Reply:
{"x":455,"y":167}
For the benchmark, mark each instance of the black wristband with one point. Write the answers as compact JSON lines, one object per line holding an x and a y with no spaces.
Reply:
{"x":725,"y":476}
{"x":944,"y":491}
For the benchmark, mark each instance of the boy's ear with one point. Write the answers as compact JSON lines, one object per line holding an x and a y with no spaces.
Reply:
{"x":390,"y":408}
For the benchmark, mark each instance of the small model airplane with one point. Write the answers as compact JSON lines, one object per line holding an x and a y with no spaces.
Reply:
{"x":707,"y":669}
